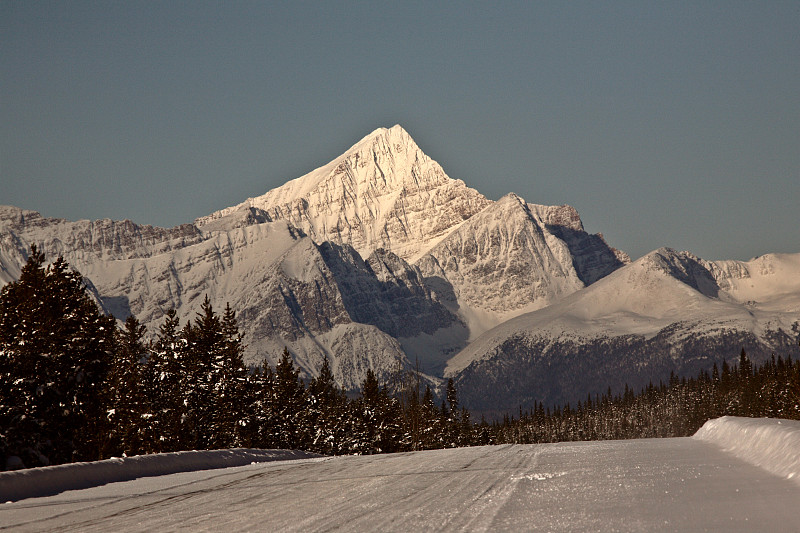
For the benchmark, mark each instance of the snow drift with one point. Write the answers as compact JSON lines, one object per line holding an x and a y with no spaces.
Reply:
{"x":49,"y":480}
{"x":771,"y":444}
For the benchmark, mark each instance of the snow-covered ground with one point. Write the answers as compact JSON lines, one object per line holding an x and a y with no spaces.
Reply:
{"x":688,"y":484}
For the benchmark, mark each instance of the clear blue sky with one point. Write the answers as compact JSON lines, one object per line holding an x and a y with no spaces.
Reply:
{"x":664,"y":123}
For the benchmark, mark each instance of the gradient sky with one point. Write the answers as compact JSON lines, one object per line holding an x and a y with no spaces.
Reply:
{"x":664,"y":123}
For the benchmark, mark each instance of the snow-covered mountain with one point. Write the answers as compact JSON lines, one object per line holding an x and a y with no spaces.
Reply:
{"x":666,"y":312}
{"x":320,"y":264}
{"x":287,"y":290}
{"x":383,"y":192}
{"x":515,"y":257}
{"x":378,"y":260}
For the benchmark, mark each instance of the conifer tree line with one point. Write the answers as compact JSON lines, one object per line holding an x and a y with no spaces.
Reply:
{"x":75,"y":387}
{"x":675,"y":409}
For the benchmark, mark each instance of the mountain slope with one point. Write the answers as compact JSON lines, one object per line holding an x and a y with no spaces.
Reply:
{"x":511,"y":258}
{"x":668,"y":311}
{"x":319,"y":300}
{"x":383,"y":192}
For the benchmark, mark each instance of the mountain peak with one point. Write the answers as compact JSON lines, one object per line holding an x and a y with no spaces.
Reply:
{"x":510,"y":198}
{"x":383,"y":192}
{"x":393,"y":137}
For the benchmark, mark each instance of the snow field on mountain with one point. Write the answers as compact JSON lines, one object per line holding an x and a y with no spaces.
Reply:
{"x":654,"y":292}
{"x":769,"y":282}
{"x":682,"y":484}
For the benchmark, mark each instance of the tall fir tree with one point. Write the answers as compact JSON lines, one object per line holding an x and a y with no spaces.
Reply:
{"x":230,"y":386}
{"x":55,"y":351}
{"x":328,"y":414}
{"x":128,"y":412}
{"x":261,"y":426}
{"x":204,"y":342}
{"x":165,"y":396}
{"x":289,"y":405}
{"x":379,"y":419}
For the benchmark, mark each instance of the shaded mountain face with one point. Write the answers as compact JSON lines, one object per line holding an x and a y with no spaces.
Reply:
{"x":592,"y":257}
{"x":525,"y":369}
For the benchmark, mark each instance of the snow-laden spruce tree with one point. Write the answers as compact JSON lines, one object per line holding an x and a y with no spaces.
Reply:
{"x":126,"y":393}
{"x":288,"y":406}
{"x":328,"y":414}
{"x":55,"y":350}
{"x":166,"y":366}
{"x":230,"y":386}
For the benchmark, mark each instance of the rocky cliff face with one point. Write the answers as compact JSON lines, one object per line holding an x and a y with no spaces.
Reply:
{"x":84,"y":240}
{"x":515,"y":257}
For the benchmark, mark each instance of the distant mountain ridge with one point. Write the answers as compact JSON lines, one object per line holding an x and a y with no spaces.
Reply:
{"x":666,"y":312}
{"x":378,"y":260}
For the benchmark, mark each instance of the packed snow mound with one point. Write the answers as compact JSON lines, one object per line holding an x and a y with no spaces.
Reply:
{"x":49,"y":480}
{"x":771,"y":444}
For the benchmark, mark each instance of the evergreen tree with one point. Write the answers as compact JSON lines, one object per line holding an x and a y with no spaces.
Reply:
{"x":166,"y":396}
{"x":261,"y":428}
{"x":204,"y":343}
{"x":55,"y":348}
{"x":230,"y":386}
{"x":128,"y":411}
{"x":289,"y":405}
{"x":432,"y":422}
{"x":452,"y":423}
{"x":328,"y":414}
{"x":378,"y":419}
{"x":408,"y":392}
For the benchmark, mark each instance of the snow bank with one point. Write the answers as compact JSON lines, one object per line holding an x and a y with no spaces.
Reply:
{"x":49,"y":480}
{"x":771,"y":444}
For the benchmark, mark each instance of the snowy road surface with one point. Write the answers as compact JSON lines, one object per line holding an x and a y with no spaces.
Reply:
{"x":643,"y":485}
